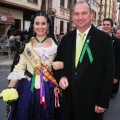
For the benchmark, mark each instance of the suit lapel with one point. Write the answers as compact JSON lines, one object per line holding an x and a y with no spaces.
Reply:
{"x":71,"y":47}
{"x":73,"y":52}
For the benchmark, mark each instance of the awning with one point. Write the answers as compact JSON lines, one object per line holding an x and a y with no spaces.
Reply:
{"x":6,"y":18}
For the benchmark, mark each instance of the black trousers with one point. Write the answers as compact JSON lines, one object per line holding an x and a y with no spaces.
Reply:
{"x":115,"y":88}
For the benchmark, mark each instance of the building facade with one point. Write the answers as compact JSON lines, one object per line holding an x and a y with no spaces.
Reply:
{"x":94,"y":6}
{"x":118,"y":14}
{"x":18,"y":13}
{"x":107,"y":9}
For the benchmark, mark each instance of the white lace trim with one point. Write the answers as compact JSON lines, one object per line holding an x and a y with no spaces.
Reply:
{"x":16,"y":75}
{"x":46,"y":52}
{"x":49,"y":51}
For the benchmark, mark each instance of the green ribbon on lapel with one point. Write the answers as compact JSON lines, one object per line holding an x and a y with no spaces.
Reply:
{"x":86,"y":47}
{"x":33,"y":81}
{"x":113,"y":41}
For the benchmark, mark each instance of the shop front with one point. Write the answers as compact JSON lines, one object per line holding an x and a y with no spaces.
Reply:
{"x":6,"y":20}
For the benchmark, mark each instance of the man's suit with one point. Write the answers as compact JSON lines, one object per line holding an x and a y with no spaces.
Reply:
{"x":90,"y":84}
{"x":116,"y":47}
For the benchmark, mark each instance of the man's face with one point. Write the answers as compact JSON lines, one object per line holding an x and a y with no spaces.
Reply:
{"x":117,"y":34}
{"x":82,"y":16}
{"x":107,"y":27}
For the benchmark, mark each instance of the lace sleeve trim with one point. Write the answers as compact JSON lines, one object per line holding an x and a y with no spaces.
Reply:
{"x":16,"y":76}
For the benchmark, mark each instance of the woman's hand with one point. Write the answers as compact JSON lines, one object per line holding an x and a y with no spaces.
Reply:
{"x":57,"y":65}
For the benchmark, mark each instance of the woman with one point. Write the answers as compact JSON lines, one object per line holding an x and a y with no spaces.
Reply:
{"x":32,"y":76}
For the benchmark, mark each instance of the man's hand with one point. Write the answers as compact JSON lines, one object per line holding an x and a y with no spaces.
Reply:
{"x":63,"y":83}
{"x":115,"y":81}
{"x":99,"y":109}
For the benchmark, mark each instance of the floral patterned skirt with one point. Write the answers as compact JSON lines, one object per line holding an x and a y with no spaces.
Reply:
{"x":28,"y":106}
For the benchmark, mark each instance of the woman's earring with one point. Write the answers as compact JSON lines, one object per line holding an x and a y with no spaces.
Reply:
{"x":48,"y":32}
{"x":33,"y":33}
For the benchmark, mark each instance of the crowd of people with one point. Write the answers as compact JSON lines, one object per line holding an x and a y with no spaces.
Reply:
{"x":69,"y":76}
{"x":13,"y":39}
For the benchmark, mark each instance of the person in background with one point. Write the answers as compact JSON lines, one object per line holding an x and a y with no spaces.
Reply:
{"x":87,"y":77}
{"x":4,"y":38}
{"x":117,"y":34}
{"x":60,"y":37}
{"x":57,"y":39}
{"x":32,"y":75}
{"x":108,"y":27}
{"x":9,"y":32}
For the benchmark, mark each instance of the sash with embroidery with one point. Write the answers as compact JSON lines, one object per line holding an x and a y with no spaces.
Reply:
{"x":41,"y":70}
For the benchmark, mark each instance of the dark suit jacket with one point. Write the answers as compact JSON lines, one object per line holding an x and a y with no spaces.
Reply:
{"x":90,"y":84}
{"x":116,"y":48}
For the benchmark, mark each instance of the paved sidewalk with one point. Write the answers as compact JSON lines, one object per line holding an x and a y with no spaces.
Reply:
{"x":113,"y":113}
{"x":5,"y":61}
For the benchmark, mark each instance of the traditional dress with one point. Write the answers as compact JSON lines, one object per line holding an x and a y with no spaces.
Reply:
{"x":35,"y":86}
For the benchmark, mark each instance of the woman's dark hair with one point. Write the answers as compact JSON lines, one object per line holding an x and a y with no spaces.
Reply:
{"x":31,"y":31}
{"x":31,"y":34}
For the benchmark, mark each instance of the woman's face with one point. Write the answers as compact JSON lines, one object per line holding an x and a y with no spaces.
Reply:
{"x":40,"y":26}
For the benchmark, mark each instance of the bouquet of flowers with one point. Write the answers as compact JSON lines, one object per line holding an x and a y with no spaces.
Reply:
{"x":9,"y":95}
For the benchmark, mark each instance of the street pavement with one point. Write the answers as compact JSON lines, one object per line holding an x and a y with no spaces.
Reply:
{"x":113,"y":113}
{"x":5,"y":64}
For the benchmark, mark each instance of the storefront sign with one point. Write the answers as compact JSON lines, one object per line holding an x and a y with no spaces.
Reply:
{"x":3,"y":18}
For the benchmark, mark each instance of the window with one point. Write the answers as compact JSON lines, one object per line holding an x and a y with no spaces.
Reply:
{"x":61,"y":26}
{"x":43,"y":6}
{"x":62,"y":3}
{"x":43,"y":2}
{"x":33,"y":1}
{"x":68,"y":27}
{"x":75,"y":1}
{"x":68,"y":5}
{"x":1,"y":28}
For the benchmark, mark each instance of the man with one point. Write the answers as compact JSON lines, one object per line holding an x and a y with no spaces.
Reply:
{"x":87,"y":85}
{"x":108,"y":27}
{"x":117,"y":33}
{"x":9,"y":32}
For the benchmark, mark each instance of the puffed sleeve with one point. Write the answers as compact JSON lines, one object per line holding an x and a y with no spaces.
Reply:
{"x":19,"y":70}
